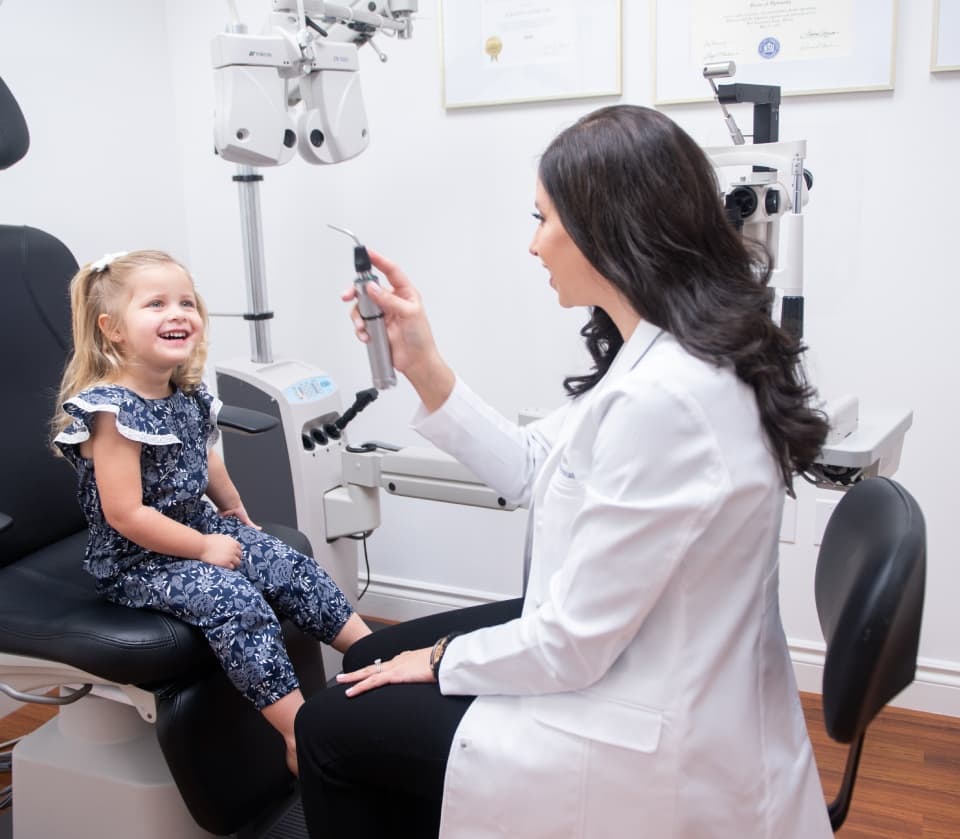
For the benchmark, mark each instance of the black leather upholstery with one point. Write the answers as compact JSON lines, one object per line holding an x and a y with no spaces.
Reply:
{"x":869,"y":591}
{"x":38,"y":490}
{"x":14,"y":136}
{"x":49,"y":609}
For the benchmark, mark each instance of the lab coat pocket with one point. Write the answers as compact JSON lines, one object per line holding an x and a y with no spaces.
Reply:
{"x":605,"y":720}
{"x":564,"y":486}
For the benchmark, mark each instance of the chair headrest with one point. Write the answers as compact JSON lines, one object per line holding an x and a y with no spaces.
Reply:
{"x":14,"y":136}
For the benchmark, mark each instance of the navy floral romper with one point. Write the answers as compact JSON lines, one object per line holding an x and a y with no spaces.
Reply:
{"x":236,"y":609}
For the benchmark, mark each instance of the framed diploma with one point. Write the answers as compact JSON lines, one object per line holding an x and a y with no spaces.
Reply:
{"x":946,"y":36}
{"x":503,"y":51}
{"x":804,"y":46}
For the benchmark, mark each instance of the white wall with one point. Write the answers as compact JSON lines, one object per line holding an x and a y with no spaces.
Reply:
{"x":93,"y":80}
{"x":120,"y":111}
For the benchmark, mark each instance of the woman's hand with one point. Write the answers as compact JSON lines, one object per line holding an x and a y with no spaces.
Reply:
{"x":220,"y":549}
{"x":409,"y":666}
{"x":414,"y":351}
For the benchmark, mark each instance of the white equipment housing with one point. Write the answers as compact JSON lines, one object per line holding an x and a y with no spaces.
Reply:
{"x":296,"y":86}
{"x":765,"y":187}
{"x":283,"y":474}
{"x":303,"y":474}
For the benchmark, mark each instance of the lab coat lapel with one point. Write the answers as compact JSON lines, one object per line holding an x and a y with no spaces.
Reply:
{"x":630,"y":355}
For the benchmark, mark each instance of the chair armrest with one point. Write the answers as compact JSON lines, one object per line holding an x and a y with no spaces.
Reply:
{"x":245,"y":420}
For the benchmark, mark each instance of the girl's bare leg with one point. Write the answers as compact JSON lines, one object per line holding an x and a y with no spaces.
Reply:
{"x":353,"y":630}
{"x":281,"y":715}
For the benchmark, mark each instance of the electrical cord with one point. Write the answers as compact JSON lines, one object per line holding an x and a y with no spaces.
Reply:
{"x":362,"y":537}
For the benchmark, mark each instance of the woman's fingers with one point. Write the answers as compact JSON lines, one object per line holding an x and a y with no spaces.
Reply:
{"x":400,"y":302}
{"x":359,"y":675}
{"x":366,"y":678}
{"x":390,"y":270}
{"x":409,"y":666}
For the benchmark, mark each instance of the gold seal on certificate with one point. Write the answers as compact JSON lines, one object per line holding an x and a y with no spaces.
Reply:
{"x":493,"y":46}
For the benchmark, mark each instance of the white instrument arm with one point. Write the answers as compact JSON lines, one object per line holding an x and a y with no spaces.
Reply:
{"x":414,"y":472}
{"x":859,"y":447}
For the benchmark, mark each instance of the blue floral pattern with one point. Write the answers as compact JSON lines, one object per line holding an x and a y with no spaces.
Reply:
{"x":235,"y":609}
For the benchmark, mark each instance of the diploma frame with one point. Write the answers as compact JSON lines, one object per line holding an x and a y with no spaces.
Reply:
{"x":678,"y":77}
{"x":471,"y":78}
{"x":945,"y":51}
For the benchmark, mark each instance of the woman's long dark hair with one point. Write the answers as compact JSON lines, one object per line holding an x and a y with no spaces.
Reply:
{"x":640,"y":200}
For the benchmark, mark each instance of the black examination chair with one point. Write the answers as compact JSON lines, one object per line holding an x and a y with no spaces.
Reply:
{"x":155,"y":741}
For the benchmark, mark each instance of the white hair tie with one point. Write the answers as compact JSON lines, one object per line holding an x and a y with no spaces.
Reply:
{"x":104,"y":261}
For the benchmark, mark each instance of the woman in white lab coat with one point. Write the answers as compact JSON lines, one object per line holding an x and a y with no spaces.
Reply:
{"x":645,"y":690}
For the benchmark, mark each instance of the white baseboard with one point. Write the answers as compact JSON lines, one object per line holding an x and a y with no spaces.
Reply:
{"x":401,"y":599}
{"x":936,"y":689}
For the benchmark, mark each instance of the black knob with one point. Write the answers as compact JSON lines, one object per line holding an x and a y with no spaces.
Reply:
{"x":319,"y":436}
{"x":307,"y":441}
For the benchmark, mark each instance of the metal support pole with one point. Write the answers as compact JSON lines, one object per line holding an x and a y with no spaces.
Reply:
{"x":248,"y":183}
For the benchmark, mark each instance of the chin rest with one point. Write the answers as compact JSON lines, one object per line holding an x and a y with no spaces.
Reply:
{"x":163,"y":745}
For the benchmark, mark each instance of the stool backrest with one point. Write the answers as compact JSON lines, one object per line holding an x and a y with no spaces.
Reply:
{"x":870,"y":579}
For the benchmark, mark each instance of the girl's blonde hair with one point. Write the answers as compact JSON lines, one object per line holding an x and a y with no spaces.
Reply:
{"x":96,"y":359}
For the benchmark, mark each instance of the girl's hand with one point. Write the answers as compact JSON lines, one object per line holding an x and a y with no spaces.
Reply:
{"x":220,"y":549}
{"x":409,"y":666}
{"x":239,"y":511}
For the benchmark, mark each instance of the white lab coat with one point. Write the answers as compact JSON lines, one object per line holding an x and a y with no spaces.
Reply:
{"x":646,"y":692}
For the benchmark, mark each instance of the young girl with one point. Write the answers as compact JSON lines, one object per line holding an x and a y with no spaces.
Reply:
{"x":138,"y":424}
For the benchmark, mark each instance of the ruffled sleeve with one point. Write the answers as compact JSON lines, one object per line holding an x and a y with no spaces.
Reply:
{"x":210,"y":407}
{"x":135,"y":419}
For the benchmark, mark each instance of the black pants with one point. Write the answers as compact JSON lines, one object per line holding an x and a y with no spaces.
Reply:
{"x":373,"y":765}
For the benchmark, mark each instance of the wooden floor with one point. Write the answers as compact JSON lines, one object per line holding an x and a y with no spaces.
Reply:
{"x":908,"y":786}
